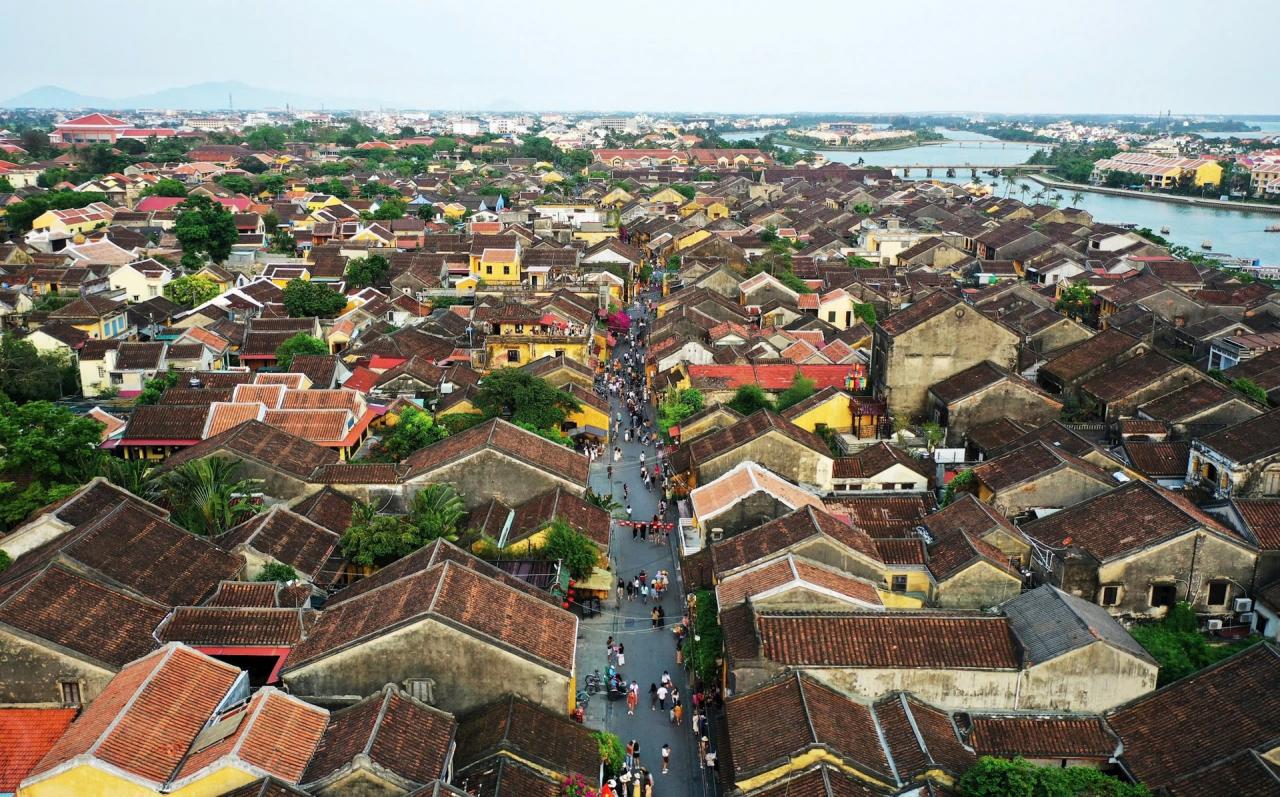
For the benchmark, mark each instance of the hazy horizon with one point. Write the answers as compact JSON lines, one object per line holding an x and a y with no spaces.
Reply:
{"x":814,"y":56}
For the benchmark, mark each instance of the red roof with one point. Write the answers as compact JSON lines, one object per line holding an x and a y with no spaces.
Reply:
{"x":26,"y":734}
{"x":361,"y":379}
{"x":151,"y":203}
{"x":95,"y":120}
{"x":776,"y":377}
{"x":380,"y":363}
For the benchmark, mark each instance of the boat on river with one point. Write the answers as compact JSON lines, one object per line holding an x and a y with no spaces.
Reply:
{"x":1164,"y":230}
{"x":1273,"y":228}
{"x":1206,"y":244}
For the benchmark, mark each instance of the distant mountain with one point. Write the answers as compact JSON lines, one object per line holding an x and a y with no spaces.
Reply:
{"x":200,"y":97}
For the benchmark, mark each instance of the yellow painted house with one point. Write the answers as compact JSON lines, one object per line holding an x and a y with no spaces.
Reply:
{"x":592,"y":412}
{"x":691,"y":238}
{"x":178,"y":722}
{"x":453,"y":210}
{"x":497,"y":265}
{"x":552,"y":176}
{"x":617,"y":197}
{"x":713,"y":207}
{"x":668,"y":195}
{"x":74,"y":221}
{"x":829,"y":408}
{"x":319,"y":201}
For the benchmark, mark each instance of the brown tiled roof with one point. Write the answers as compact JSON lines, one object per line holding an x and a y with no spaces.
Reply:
{"x":319,"y":368}
{"x":233,"y":626}
{"x":139,"y":356}
{"x":263,"y":594}
{"x":394,"y":731}
{"x":228,"y":415}
{"x":822,"y":780}
{"x":883,"y":516}
{"x":1185,"y":402}
{"x":287,"y":537}
{"x":921,"y":737}
{"x":329,"y":508}
{"x":791,"y":569}
{"x":529,"y":732}
{"x":175,"y":422}
{"x":874,"y":460}
{"x":1032,"y":461}
{"x":257,"y":441}
{"x":778,"y":535}
{"x":712,"y":445}
{"x":585,"y":518}
{"x":80,"y":614}
{"x":1261,"y":518}
{"x":1247,"y":440}
{"x":776,"y":722}
{"x":317,"y":426}
{"x":96,"y":498}
{"x":919,"y":312}
{"x":429,"y":556}
{"x":1041,"y":736}
{"x":1089,"y":354}
{"x":894,"y":639}
{"x":1246,"y":772}
{"x":356,"y":473}
{"x":203,"y":396}
{"x":504,"y":437}
{"x":456,"y":595}
{"x":1201,"y":719}
{"x":1121,"y":381}
{"x":146,"y":718}
{"x":1157,"y":460}
{"x":904,"y":551}
{"x":1128,"y":518}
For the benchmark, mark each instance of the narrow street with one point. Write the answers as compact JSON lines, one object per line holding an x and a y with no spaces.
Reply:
{"x":648,"y":651}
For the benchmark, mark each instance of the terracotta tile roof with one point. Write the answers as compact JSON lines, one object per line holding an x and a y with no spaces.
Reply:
{"x":270,"y":395}
{"x":1089,"y":355}
{"x":506,"y":438}
{"x":787,"y":531}
{"x":276,"y":734}
{"x":874,"y":460}
{"x":356,"y":473}
{"x":234,"y":625}
{"x":1041,"y":736}
{"x":228,"y":415}
{"x":1246,"y":772}
{"x":395,"y":731}
{"x":919,"y":312}
{"x":429,"y":556}
{"x":1158,"y":460}
{"x":798,"y":573}
{"x":257,"y":441}
{"x":717,"y":443}
{"x":1166,"y":734}
{"x":1123,"y":380}
{"x":26,"y":735}
{"x":1197,"y":397}
{"x":96,"y":498}
{"x":777,"y":722}
{"x":822,"y":780}
{"x":519,"y":728}
{"x":905,"y":551}
{"x":1128,"y":518}
{"x":456,"y":595}
{"x":741,"y":481}
{"x":329,"y":508}
{"x":319,"y":368}
{"x":167,"y":422}
{"x":895,"y":639}
{"x":317,"y":426}
{"x":922,"y":738}
{"x":71,"y":610}
{"x":1248,"y":440}
{"x":263,"y":594}
{"x":883,"y":516}
{"x":1032,"y":461}
{"x":585,"y":518}
{"x":147,"y":717}
{"x":139,"y":356}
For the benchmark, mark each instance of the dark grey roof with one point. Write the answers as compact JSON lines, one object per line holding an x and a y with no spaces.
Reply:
{"x":1049,"y":622}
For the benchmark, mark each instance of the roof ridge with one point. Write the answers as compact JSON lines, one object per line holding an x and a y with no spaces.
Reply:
{"x":377,"y":723}
{"x":884,"y":744}
{"x":915,"y":727}
{"x":804,"y":704}
{"x":166,"y":654}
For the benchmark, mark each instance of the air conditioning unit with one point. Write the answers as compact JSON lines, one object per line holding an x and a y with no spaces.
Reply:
{"x":717,"y":535}
{"x":1248,"y":618}
{"x":1242,"y":605}
{"x":1214,"y":625}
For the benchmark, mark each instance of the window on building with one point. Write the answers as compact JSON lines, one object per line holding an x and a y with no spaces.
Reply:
{"x":1218,"y":593}
{"x":488,"y":269}
{"x":506,"y":269}
{"x":70,"y":692}
{"x":1164,"y":594}
{"x":559,"y":352}
{"x":899,"y":583}
{"x":513,"y":355}
{"x":831,"y":316}
{"x":1110,"y":596}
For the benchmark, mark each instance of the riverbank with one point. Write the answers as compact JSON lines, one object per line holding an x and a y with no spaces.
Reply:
{"x":888,"y":146}
{"x":1177,"y":199}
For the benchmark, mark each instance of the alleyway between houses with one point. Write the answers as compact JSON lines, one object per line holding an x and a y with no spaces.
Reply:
{"x":648,"y":652}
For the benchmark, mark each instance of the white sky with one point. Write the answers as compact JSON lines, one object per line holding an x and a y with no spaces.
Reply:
{"x":1139,"y":56}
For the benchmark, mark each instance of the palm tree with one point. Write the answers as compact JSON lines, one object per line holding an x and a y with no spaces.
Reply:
{"x":208,"y":496}
{"x":1024,"y":189}
{"x":1039,"y":195}
{"x":605,"y":502}
{"x":1010,"y":179}
{"x":1077,"y":198}
{"x":133,"y":475}
{"x":436,"y":510}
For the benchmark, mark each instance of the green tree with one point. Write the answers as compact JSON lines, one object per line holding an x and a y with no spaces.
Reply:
{"x":208,"y":496}
{"x":365,"y":271}
{"x":677,"y":406}
{"x":190,"y":290}
{"x":436,"y":510}
{"x":276,"y":571}
{"x":283,"y":243}
{"x":304,"y":298}
{"x":865,"y":312}
{"x":750,"y":398}
{"x":6,"y":187}
{"x":707,"y":641}
{"x":236,"y":182}
{"x":413,"y":430}
{"x":166,"y":186}
{"x":390,"y":208}
{"x":856,"y":261}
{"x":1251,"y":390}
{"x":573,"y":549}
{"x":604,"y":501}
{"x":18,"y":216}
{"x":155,"y":387}
{"x":686,"y":191}
{"x":27,"y":374}
{"x":1076,"y":300}
{"x":204,"y":227}
{"x":1177,"y":644}
{"x":519,"y":397}
{"x":1001,"y":777}
{"x":301,"y":343}
{"x":266,"y":137}
{"x":271,"y":184}
{"x":1076,"y":198}
{"x":801,"y":388}
{"x":375,"y":540}
{"x":612,"y":753}
{"x":45,"y":440}
{"x":454,"y":422}
{"x":548,"y":433}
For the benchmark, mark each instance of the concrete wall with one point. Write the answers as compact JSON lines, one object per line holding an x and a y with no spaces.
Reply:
{"x":1004,"y":400}
{"x":1062,"y":488}
{"x":840,"y":558}
{"x":754,"y":510}
{"x":908,"y":365}
{"x":780,"y":454}
{"x":1190,"y":562}
{"x":468,"y":673}
{"x":1094,"y":678}
{"x":976,"y":587}
{"x":489,"y":474}
{"x":32,"y":672}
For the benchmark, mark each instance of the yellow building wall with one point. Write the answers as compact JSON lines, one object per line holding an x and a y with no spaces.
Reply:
{"x":215,"y":783}
{"x":589,"y":416}
{"x":692,"y":239}
{"x":802,"y":762}
{"x":465,"y":407}
{"x":668,"y":195}
{"x":919,"y":584}
{"x":533,"y":350}
{"x":496,"y":270}
{"x":85,"y":781}
{"x":835,"y":414}
{"x":1208,"y":174}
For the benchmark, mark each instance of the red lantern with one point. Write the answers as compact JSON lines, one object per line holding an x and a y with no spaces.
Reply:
{"x":565,"y":605}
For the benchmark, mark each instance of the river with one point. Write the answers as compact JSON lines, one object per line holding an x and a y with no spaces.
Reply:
{"x":1235,"y":232}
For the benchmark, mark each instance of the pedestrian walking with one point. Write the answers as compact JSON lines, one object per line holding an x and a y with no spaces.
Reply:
{"x":662,"y":696}
{"x":666,"y":679}
{"x":622,"y":657}
{"x":630,"y":756}
{"x":666,"y":757}
{"x":622,"y":590}
{"x":632,"y":699}
{"x":608,"y":650}
{"x":631,"y":590}
{"x":677,"y":714}
{"x":644,"y":592}
{"x":653,"y":697}
{"x":635,"y":531}
{"x":654,"y":616}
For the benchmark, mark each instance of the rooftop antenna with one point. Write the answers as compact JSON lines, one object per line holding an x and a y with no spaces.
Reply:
{"x":231,"y":106}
